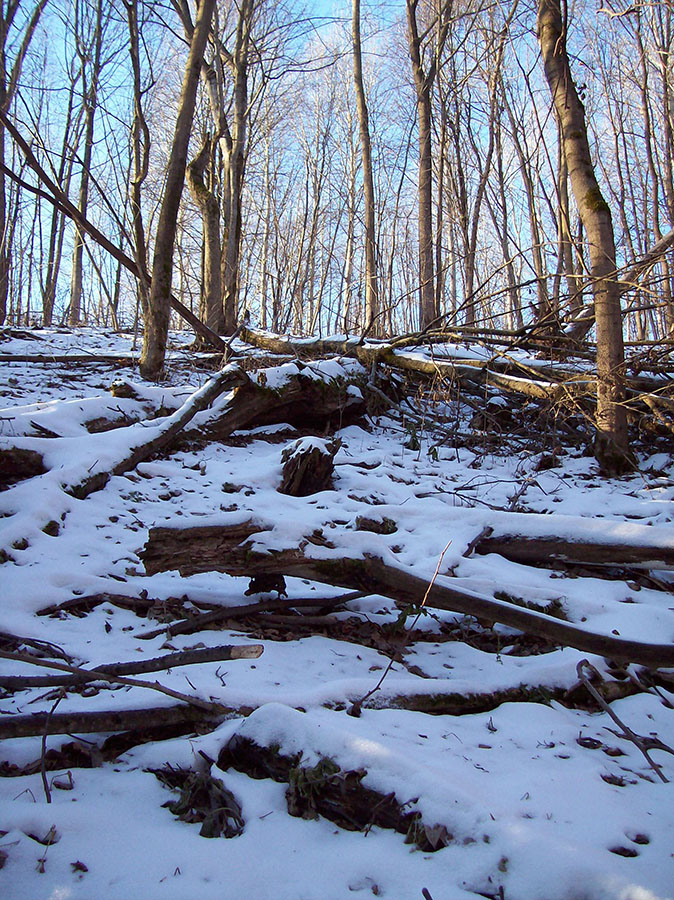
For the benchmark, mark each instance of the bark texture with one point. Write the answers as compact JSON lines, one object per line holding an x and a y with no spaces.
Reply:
{"x":229,"y":549}
{"x":611,"y":446}
{"x":159,"y":307}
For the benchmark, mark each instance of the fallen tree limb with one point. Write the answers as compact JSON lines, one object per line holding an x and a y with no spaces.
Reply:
{"x":70,"y":359}
{"x":164,"y":432}
{"x":99,"y":675}
{"x":198,"y":623}
{"x":105,"y":720}
{"x":229,"y":549}
{"x":136,"y":667}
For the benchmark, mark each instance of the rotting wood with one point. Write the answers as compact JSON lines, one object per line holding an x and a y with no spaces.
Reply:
{"x":301,"y":399}
{"x":308,"y":466}
{"x":135,"y":667}
{"x":103,"y":721}
{"x":541,"y":549}
{"x":548,"y":383}
{"x":227,"y":549}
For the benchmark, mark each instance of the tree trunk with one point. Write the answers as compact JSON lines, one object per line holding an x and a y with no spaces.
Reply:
{"x":90,"y":103}
{"x":423,"y":82}
{"x":8,"y":84}
{"x":155,"y":335}
{"x":211,"y":311}
{"x":611,"y":444}
{"x":372,"y":322}
{"x":140,"y":148}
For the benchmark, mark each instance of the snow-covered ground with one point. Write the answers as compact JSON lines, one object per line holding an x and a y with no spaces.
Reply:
{"x":533,"y":813}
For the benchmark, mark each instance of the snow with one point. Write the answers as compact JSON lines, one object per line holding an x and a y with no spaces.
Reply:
{"x":531,"y":811}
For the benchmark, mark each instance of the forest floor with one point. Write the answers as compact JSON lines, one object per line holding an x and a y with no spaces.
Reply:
{"x":481,"y":765}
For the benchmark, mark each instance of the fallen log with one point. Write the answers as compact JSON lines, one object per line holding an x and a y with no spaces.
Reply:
{"x":296,"y":394}
{"x":102,"y":721}
{"x":229,"y":549}
{"x":71,"y":359}
{"x":540,"y":550}
{"x":135,"y":667}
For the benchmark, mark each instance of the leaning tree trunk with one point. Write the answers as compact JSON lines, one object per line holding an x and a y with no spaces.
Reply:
{"x":155,"y":334}
{"x":611,"y":445}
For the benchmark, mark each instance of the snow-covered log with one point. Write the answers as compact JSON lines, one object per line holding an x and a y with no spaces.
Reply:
{"x":232,"y":549}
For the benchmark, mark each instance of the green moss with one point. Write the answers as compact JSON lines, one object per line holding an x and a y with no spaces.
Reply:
{"x":594,"y":201}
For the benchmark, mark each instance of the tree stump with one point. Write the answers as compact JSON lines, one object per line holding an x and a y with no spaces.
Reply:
{"x":308,"y":466}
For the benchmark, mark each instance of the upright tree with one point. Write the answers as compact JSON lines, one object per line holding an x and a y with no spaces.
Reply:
{"x":371,"y":283}
{"x":611,"y":444}
{"x":157,"y":317}
{"x":424,"y":73}
{"x":10,"y":72}
{"x":89,"y":28}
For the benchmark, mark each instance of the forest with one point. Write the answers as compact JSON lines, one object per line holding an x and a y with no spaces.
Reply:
{"x":336,"y":465}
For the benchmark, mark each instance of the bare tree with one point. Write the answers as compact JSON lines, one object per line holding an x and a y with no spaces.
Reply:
{"x":155,"y":334}
{"x":9,"y":79}
{"x":89,"y":36}
{"x":611,"y":444}
{"x":371,"y":281}
{"x":424,"y":75}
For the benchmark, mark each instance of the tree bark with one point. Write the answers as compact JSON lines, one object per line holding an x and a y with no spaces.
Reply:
{"x":611,"y":445}
{"x":423,"y":83}
{"x":372,"y":323}
{"x":9,"y":80}
{"x":90,"y":99}
{"x":155,"y":333}
{"x":221,"y":549}
{"x":211,"y":311}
